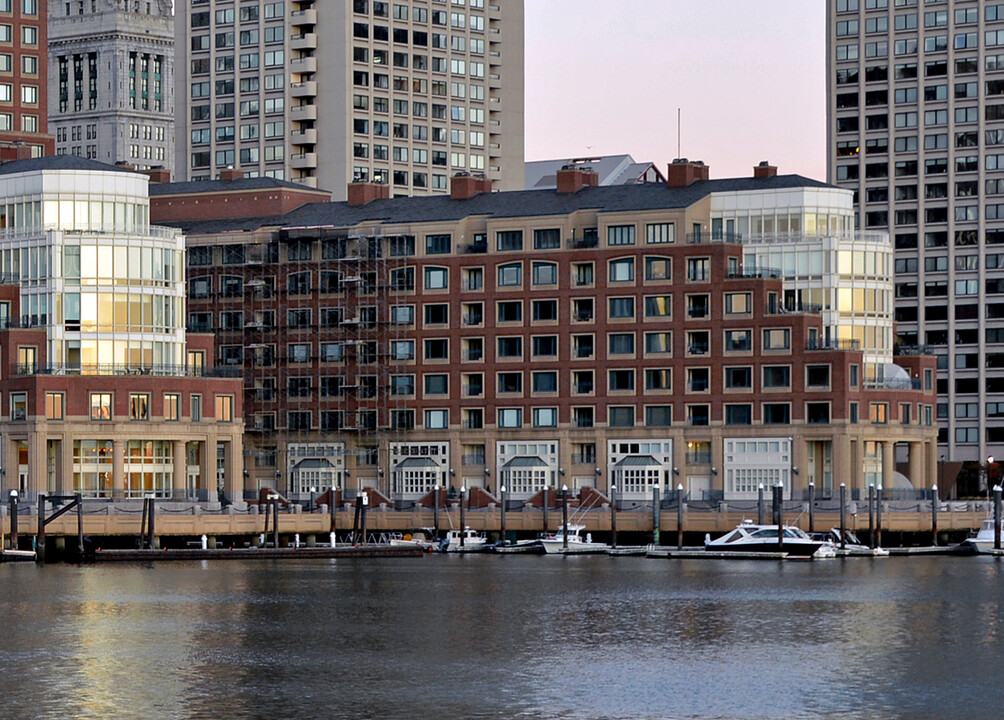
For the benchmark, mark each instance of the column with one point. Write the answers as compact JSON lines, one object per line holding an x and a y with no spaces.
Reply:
{"x":207,"y":467}
{"x":932,"y":463}
{"x":66,"y":464}
{"x":38,"y":463}
{"x":857,"y":464}
{"x":888,"y":463}
{"x":843,"y":462}
{"x":234,"y":470}
{"x":916,"y":461}
{"x":118,"y":470}
{"x":180,"y":471}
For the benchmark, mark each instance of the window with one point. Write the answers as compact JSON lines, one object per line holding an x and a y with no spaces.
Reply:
{"x":622,"y":270}
{"x":549,"y":239}
{"x":621,"y":380}
{"x":658,"y":306}
{"x":777,"y":339}
{"x":620,"y":235}
{"x":510,"y":418}
{"x":19,"y":406}
{"x":545,"y":417}
{"x":698,"y":269}
{"x":621,"y":416}
{"x":776,"y":414}
{"x":225,"y":408}
{"x":739,"y":414}
{"x":738,"y":303}
{"x":777,"y":376}
{"x":878,"y":413}
{"x":621,"y":308}
{"x":438,"y":349}
{"x":545,"y":382}
{"x":55,"y":406}
{"x":101,"y":406}
{"x":510,"y":275}
{"x":545,"y":273}
{"x":659,"y":379}
{"x":509,"y":240}
{"x":738,"y":378}
{"x":436,"y":278}
{"x":620,"y":343}
{"x":437,"y":419}
{"x":437,"y":244}
{"x":659,"y":233}
{"x":657,"y":268}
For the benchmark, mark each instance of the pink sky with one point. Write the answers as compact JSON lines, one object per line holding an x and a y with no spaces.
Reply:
{"x":606,"y":77}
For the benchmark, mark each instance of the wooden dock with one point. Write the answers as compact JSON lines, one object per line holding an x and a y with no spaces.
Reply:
{"x":702,"y":554}
{"x":17,"y":556}
{"x":252,"y":553}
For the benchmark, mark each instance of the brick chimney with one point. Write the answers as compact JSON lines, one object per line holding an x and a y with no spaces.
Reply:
{"x":683,"y":172}
{"x":464,"y":186}
{"x":229,"y":174}
{"x":159,"y":174}
{"x":571,"y":179}
{"x":361,"y":193}
{"x":764,"y":170}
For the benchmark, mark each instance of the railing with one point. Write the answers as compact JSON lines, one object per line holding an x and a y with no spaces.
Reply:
{"x":473,"y":319}
{"x":583,"y":316}
{"x":713,"y":236}
{"x":584,"y":352}
{"x":474,"y":390}
{"x":911,"y":350}
{"x":794,"y":308}
{"x":473,"y":354}
{"x":582,"y":422}
{"x":472,"y":460}
{"x":699,"y":458}
{"x":844,"y":344}
{"x":583,"y":243}
{"x":99,"y":369}
{"x":698,"y":349}
{"x":468,"y":285}
{"x":473,"y":424}
{"x":893,"y":384}
{"x":474,"y":248}
{"x":698,"y":311}
{"x":583,"y":388}
{"x":583,"y":459}
{"x":755,"y":272}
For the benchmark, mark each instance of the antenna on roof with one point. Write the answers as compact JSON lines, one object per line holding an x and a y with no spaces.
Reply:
{"x":678,"y":151}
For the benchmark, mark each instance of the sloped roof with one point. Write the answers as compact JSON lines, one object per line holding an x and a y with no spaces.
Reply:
{"x":525,"y":462}
{"x":414,"y":463}
{"x":638,"y":461}
{"x":521,"y":203}
{"x":611,"y":169}
{"x":210,"y":186}
{"x":59,"y":162}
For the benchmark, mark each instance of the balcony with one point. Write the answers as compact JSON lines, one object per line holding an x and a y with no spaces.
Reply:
{"x":583,"y":316}
{"x":303,"y":41}
{"x":583,"y":458}
{"x":303,"y":137}
{"x":303,"y":65}
{"x":154,"y":370}
{"x":474,"y":390}
{"x":303,"y":89}
{"x":832,"y":345}
{"x":303,"y":113}
{"x":583,"y":388}
{"x":473,"y":319}
{"x":298,"y":18}
{"x":699,"y":458}
{"x":475,"y":460}
{"x":474,"y":355}
{"x":303,"y":161}
{"x":698,"y":349}
{"x":474,"y":248}
{"x":583,"y":351}
{"x":583,"y":422}
{"x":583,"y":243}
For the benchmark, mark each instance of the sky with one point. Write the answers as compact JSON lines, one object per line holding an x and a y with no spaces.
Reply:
{"x":605,"y":77}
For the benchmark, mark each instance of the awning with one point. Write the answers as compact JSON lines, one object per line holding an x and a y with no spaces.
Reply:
{"x":417,"y":464}
{"x":313,"y":464}
{"x":525,"y":462}
{"x":638,"y":461}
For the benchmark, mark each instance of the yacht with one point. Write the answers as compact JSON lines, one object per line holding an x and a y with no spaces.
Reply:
{"x":577,"y":544}
{"x":473,"y":541}
{"x":749,"y":537}
{"x":984,"y":540}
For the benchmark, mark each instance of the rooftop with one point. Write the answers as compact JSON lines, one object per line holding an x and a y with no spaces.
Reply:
{"x":59,"y":162}
{"x":522,"y":203}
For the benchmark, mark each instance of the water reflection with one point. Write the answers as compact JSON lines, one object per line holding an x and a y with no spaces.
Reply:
{"x":488,"y":637}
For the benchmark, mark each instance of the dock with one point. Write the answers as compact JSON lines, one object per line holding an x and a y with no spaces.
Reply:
{"x":702,"y":554}
{"x":17,"y":556}
{"x":252,"y":553}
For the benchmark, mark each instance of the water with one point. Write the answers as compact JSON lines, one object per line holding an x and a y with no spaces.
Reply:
{"x":505,"y":637}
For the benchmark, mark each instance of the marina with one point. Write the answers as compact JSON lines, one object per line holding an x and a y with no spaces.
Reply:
{"x":477,"y":636}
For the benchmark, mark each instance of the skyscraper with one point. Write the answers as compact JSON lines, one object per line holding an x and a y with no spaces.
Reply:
{"x":915,"y":105}
{"x":400,"y":93}
{"x":23,"y":67}
{"x":111,"y":92}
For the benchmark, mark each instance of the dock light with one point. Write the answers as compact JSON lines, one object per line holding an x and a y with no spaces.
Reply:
{"x":679,"y":487}
{"x":502,"y":489}
{"x":13,"y":494}
{"x":564,"y":488}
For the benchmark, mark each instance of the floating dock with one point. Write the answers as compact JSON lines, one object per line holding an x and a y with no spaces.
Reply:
{"x":702,"y":554}
{"x":290,"y":553}
{"x":17,"y":556}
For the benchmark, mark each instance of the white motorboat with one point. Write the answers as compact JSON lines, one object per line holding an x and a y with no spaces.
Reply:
{"x":984,"y":540}
{"x":577,"y":544}
{"x":420,"y":538}
{"x":852,"y":546}
{"x":748,"y":537}
{"x":519,"y":546}
{"x":472,"y":541}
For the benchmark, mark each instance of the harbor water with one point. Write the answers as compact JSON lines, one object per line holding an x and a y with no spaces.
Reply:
{"x":481,"y":636}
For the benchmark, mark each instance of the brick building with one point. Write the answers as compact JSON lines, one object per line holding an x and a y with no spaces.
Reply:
{"x":103,"y":393}
{"x":582,"y":336}
{"x":23,"y":74}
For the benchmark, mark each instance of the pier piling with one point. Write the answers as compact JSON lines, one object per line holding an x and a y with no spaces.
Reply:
{"x":656,"y":516}
{"x":679,"y":515}
{"x":871,"y":516}
{"x":843,"y":516}
{"x":934,"y":516}
{"x":878,"y":517}
{"x":759,"y":504}
{"x":564,"y":516}
{"x":812,"y":507}
{"x":997,"y":517}
{"x":613,"y":516}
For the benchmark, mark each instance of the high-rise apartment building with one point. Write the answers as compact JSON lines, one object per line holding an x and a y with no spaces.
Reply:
{"x":111,"y":90}
{"x":23,"y":67}
{"x":915,"y":104}
{"x":400,"y":93}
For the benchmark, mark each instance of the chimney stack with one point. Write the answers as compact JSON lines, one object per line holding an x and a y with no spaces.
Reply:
{"x":683,"y":172}
{"x":360,"y":193}
{"x":229,"y":174}
{"x":159,"y":174}
{"x":571,"y":179}
{"x":465,"y":185}
{"x":764,"y":170}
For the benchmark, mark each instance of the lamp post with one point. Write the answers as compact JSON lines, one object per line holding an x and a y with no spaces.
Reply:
{"x":502,"y":517}
{"x":564,"y":516}
{"x":463,"y":528}
{"x":613,"y":516}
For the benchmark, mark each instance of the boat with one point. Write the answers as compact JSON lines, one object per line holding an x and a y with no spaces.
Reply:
{"x":473,"y":541}
{"x":576,"y":545}
{"x":984,"y":540}
{"x":748,"y":537}
{"x":519,"y":546}
{"x":852,"y":546}
{"x":423,"y":538}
